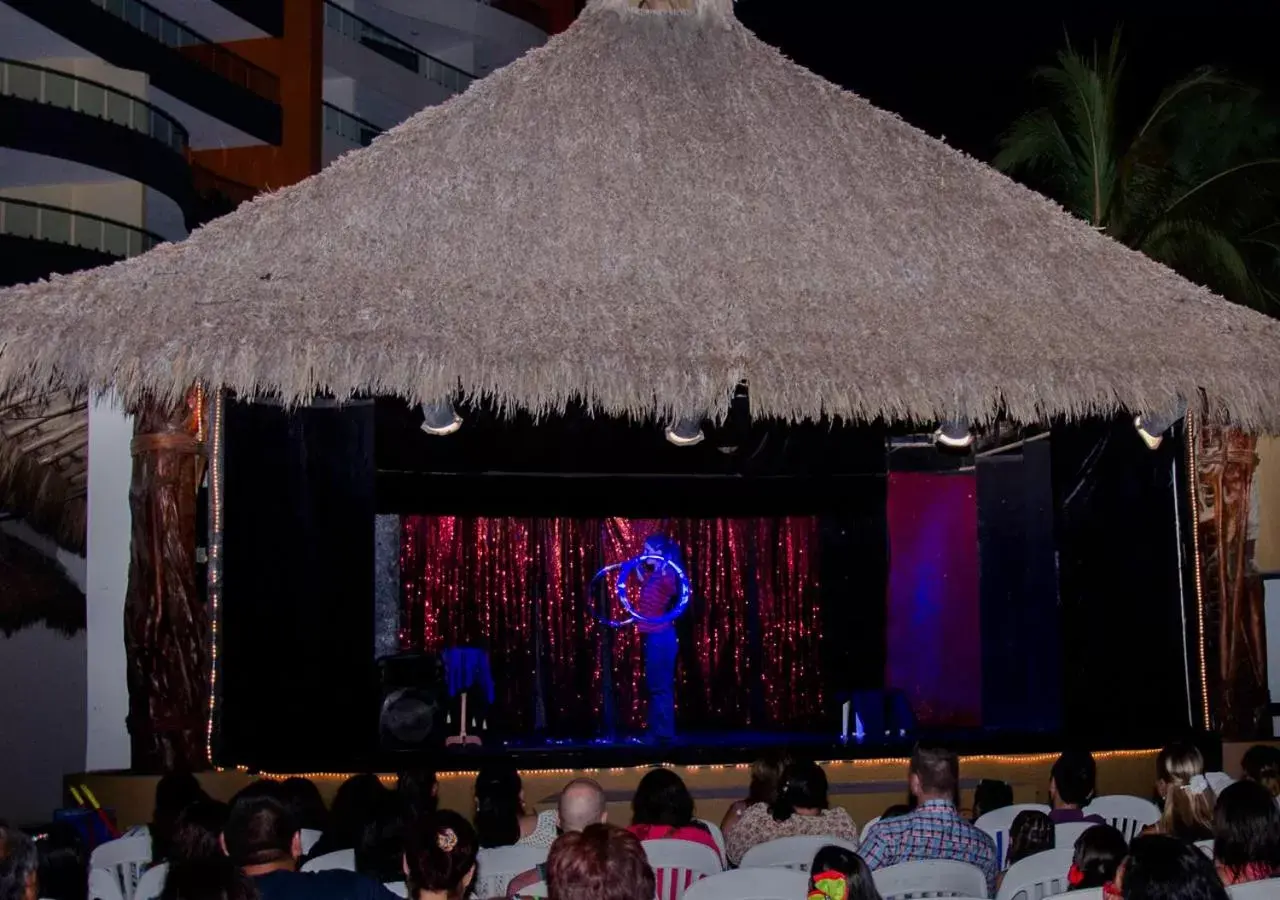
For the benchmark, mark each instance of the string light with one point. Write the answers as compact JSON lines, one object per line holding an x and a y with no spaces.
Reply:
{"x":214,"y":556}
{"x":1193,"y":469}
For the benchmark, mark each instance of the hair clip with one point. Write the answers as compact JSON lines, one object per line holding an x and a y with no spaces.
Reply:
{"x":1197,"y":785}
{"x":447,"y":839}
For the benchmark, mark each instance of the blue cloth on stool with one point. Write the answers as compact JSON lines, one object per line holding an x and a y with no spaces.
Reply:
{"x":466,"y":668}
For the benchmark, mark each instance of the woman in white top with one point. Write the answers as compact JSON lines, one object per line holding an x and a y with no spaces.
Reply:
{"x":501,"y":818}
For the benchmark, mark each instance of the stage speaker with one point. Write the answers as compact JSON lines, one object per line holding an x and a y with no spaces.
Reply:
{"x":414,"y":702}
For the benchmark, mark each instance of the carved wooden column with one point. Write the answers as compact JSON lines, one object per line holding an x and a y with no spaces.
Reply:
{"x":1235,"y":636}
{"x":166,"y":626}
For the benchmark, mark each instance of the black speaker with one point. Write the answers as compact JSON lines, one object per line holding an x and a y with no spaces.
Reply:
{"x":414,"y":702}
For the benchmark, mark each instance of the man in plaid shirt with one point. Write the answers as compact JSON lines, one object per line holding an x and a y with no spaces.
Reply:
{"x":935,"y":829}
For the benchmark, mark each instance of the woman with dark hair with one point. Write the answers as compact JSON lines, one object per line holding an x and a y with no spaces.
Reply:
{"x":63,"y":863}
{"x":1261,"y":763}
{"x":175,"y":791}
{"x":990,"y":794}
{"x":440,"y":857}
{"x":801,"y":807}
{"x":303,"y":798}
{"x":501,"y":818}
{"x":197,"y":831}
{"x":765,"y":774}
{"x":662,"y":809}
{"x":355,"y":808}
{"x":1030,"y":833}
{"x":1246,"y":834}
{"x":1098,"y":855}
{"x":418,"y":791}
{"x":840,"y":874}
{"x":1160,"y":867}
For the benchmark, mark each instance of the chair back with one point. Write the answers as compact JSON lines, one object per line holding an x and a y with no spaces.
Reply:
{"x":537,"y":889}
{"x":750,"y":884}
{"x":399,"y":888}
{"x":338,"y":859}
{"x":1039,"y":875}
{"x":1087,"y":894}
{"x":1066,"y":834}
{"x":103,"y":885}
{"x":930,"y":878}
{"x":1267,"y":889}
{"x":1127,"y":814}
{"x":151,"y":884}
{"x":716,"y":835}
{"x":790,"y":852}
{"x":862,"y":835}
{"x":309,"y":836}
{"x":125,"y":858}
{"x":678,"y":864}
{"x":998,"y":822}
{"x":1206,"y":847}
{"x":496,"y":866}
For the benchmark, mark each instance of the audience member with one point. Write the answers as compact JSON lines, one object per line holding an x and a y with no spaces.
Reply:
{"x":1188,"y":799}
{"x":304,"y":799}
{"x":175,"y":791}
{"x":439,"y":856}
{"x":582,"y":803}
{"x":418,"y":792}
{"x":19,"y":865}
{"x":601,"y":862}
{"x":63,"y":871}
{"x":380,"y":846}
{"x":1072,"y":783}
{"x":197,"y":830}
{"x":501,"y":818}
{"x":261,"y":838}
{"x":898,"y":809}
{"x":801,"y":807}
{"x":1261,"y":763}
{"x":1160,"y":867}
{"x":207,"y":879}
{"x":355,"y":807}
{"x":840,"y":874}
{"x":1030,"y":833}
{"x":765,"y":774}
{"x":990,"y":795}
{"x":662,"y":807}
{"x":1246,"y":834}
{"x":1098,"y":855}
{"x":935,"y":830}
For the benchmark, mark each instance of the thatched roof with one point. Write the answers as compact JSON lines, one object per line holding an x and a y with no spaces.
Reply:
{"x":44,"y":466}
{"x":34,"y":589}
{"x":645,"y":211}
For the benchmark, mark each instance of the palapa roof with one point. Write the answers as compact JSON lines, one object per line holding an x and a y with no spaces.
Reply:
{"x":642,"y":213}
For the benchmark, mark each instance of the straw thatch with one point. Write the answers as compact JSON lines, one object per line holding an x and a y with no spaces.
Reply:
{"x":44,"y":465}
{"x":647,"y":210}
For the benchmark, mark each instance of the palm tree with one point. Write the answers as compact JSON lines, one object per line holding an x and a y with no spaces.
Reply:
{"x":1194,"y":184}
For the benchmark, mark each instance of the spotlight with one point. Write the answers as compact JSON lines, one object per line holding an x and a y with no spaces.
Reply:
{"x":685,"y":432}
{"x":954,"y":435}
{"x":440,"y":418}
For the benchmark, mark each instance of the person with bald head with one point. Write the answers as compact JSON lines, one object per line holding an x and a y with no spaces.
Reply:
{"x":582,"y":803}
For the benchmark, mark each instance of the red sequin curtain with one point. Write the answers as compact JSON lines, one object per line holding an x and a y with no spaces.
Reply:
{"x":750,"y":644}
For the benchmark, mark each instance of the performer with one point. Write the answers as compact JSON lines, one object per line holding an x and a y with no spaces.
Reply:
{"x":659,"y":588}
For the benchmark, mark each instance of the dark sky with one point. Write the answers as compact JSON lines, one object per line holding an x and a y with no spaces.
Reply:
{"x":960,"y":69}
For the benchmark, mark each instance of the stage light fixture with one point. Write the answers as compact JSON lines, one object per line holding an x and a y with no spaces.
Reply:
{"x":440,"y":418}
{"x":686,"y":432}
{"x":954,"y":435}
{"x":1151,"y":426}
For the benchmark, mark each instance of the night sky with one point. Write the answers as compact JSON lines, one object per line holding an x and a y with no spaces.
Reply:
{"x":961,"y":69}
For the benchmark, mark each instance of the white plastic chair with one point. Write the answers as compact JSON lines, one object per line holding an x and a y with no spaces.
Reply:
{"x":399,"y":888}
{"x":678,"y":864}
{"x":338,"y":859}
{"x":750,"y":884}
{"x":1087,"y":894}
{"x":862,"y":835}
{"x":124,"y":858}
{"x":790,"y":852}
{"x":1066,"y":834}
{"x":1038,"y":876}
{"x":496,"y":866}
{"x":151,"y":884}
{"x":1128,"y":814}
{"x":537,"y":889}
{"x":1206,"y":847}
{"x":103,"y":885}
{"x":930,"y":878}
{"x":718,"y":836}
{"x":1267,"y":889}
{"x":998,"y":822}
{"x":309,"y":836}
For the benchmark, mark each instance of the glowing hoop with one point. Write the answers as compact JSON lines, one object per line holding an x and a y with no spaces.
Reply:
{"x":625,"y":569}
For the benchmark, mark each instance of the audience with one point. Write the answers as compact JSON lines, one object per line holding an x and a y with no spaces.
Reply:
{"x":662,"y":807}
{"x":440,"y":857}
{"x":601,"y":862}
{"x":1188,"y":799}
{"x":175,"y":791}
{"x":303,"y":797}
{"x":1030,"y":833}
{"x":838,"y":873}
{"x":582,"y":803}
{"x":1246,"y":834}
{"x":1262,"y":764}
{"x":766,"y":772}
{"x":1160,"y":867}
{"x":380,"y":846}
{"x":261,"y":838}
{"x":801,"y":807}
{"x":418,"y":792}
{"x":356,"y":807}
{"x":63,"y":870}
{"x":991,"y":795}
{"x":501,"y":818}
{"x":935,"y":829}
{"x":197,"y":831}
{"x":1071,"y":788}
{"x":207,"y":879}
{"x":19,"y":865}
{"x":1098,"y":855}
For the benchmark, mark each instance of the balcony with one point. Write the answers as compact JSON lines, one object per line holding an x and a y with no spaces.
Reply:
{"x":67,"y":117}
{"x":181,"y":62}
{"x":387,"y":45}
{"x":344,"y":131}
{"x":39,"y":239}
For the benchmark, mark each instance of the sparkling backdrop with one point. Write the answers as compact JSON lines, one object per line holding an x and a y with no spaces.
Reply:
{"x":750,"y":644}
